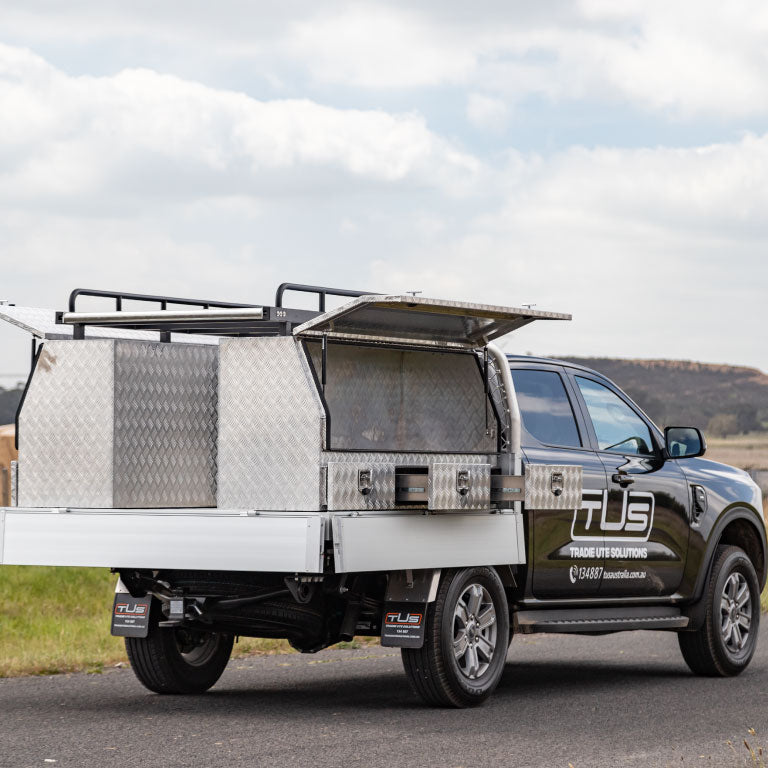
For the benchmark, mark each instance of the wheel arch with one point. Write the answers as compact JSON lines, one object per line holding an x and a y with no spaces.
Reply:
{"x":744,"y":533}
{"x":739,"y":526}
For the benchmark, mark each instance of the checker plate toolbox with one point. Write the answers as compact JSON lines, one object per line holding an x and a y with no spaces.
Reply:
{"x":381,"y":434}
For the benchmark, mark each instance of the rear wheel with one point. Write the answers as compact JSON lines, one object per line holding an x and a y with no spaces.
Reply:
{"x":171,"y":660}
{"x":726,"y":642}
{"x":465,"y":642}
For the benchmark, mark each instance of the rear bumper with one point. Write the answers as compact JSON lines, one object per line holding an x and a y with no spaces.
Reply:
{"x":195,"y":539}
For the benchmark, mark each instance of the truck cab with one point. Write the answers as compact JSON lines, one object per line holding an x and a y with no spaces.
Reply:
{"x":650,"y":503}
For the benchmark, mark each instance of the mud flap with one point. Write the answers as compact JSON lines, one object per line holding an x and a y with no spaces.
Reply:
{"x":130,"y":615}
{"x":402,"y":625}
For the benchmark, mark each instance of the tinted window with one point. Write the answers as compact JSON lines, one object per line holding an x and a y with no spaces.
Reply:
{"x":546,"y":410}
{"x":617,"y":426}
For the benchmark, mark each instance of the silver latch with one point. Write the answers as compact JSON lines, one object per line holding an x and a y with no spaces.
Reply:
{"x":364,"y":481}
{"x":557,"y":483}
{"x":462,"y":481}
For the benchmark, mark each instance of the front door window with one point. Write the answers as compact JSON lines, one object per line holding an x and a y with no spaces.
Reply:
{"x":617,"y":427}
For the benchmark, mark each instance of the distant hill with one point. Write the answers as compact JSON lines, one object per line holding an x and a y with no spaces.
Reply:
{"x":722,"y":399}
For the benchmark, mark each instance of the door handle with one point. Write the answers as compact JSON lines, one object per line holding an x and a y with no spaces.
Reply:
{"x":622,"y":478}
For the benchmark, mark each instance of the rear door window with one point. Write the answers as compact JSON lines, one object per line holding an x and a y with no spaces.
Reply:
{"x":545,"y":407}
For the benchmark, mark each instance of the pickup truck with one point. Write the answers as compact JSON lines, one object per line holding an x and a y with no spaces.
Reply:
{"x":379,"y":469}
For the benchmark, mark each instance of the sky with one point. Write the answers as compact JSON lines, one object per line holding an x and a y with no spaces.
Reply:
{"x":607,"y":159}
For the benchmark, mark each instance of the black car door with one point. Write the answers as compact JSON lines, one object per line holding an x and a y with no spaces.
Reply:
{"x":645,"y":523}
{"x":563,"y":554}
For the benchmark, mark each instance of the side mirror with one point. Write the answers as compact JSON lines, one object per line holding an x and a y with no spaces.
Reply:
{"x":684,"y":442}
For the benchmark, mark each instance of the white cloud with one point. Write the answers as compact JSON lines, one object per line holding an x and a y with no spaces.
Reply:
{"x":380,"y":46}
{"x":687,"y":58}
{"x":487,"y":112}
{"x":150,"y":182}
{"x":139,"y":133}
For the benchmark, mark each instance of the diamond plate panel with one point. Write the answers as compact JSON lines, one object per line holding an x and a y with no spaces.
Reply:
{"x":271,"y":427}
{"x":442,"y":492}
{"x":123,"y":424}
{"x":66,"y":427}
{"x":538,"y":486}
{"x":165,"y":425}
{"x":343,"y":491}
{"x":417,"y":319}
{"x":404,"y":459}
{"x":383,"y":399}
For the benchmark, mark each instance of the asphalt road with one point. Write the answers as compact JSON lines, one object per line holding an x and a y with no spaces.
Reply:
{"x":617,"y":700}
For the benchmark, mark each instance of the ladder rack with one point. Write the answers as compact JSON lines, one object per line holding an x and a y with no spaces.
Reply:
{"x":200,"y":316}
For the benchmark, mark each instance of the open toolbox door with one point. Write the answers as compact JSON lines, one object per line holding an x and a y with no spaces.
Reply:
{"x":423,"y":321}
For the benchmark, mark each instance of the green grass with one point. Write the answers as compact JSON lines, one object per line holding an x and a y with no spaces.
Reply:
{"x":58,"y":620}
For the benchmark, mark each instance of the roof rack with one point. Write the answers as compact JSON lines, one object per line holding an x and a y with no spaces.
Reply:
{"x":319,"y":290}
{"x":368,"y":317}
{"x":207,"y":317}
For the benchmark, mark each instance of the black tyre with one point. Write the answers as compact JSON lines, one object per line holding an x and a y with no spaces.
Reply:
{"x":465,"y":642}
{"x":726,"y":642}
{"x":177,"y":660}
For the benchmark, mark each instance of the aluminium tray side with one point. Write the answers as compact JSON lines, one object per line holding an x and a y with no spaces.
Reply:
{"x":185,"y":539}
{"x":397,"y":542}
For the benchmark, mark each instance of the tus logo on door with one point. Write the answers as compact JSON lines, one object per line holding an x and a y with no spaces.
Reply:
{"x":593,"y":521}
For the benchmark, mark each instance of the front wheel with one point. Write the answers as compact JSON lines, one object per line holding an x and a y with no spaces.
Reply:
{"x":466,"y":636}
{"x":726,"y":642}
{"x":171,"y":660}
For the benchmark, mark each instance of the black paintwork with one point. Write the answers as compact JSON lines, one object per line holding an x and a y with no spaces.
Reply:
{"x":681,"y":541}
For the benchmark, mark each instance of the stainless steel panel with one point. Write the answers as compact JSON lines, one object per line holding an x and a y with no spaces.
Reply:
{"x":442,"y":490}
{"x":271,"y":426}
{"x":165,"y":425}
{"x":119,"y":424}
{"x":383,"y":399}
{"x":178,"y":539}
{"x":343,"y":491}
{"x":395,"y":542}
{"x":539,"y":486}
{"x":66,"y":427}
{"x":417,"y":319}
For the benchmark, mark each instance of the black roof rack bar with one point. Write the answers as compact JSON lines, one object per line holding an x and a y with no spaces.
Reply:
{"x":320,"y":290}
{"x":164,"y":301}
{"x":271,"y":323}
